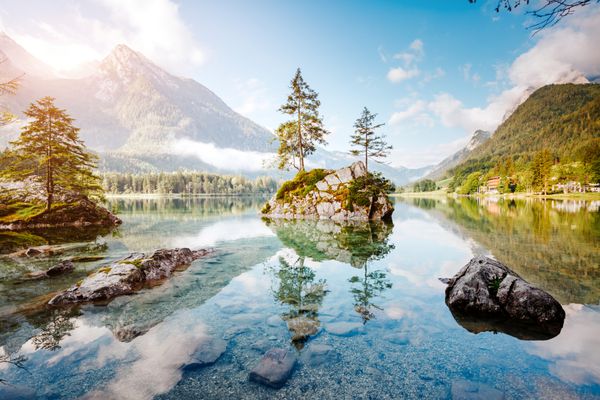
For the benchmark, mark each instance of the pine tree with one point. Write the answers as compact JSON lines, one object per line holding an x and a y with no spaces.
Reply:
{"x":541,"y":166}
{"x":298,"y":137}
{"x":50,"y":152}
{"x":368,"y":143}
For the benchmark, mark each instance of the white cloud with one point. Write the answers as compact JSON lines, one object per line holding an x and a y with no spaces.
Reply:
{"x":397,"y":75}
{"x":415,"y":158}
{"x":417,"y":46}
{"x":222,"y":158}
{"x":415,"y":113}
{"x":153,"y":27}
{"x":565,"y":53}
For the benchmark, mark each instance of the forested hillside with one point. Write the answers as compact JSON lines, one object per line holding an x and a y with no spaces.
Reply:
{"x":189,"y":183}
{"x":563,"y":120}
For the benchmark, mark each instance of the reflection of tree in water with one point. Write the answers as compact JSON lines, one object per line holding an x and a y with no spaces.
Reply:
{"x":551,"y":243}
{"x":365,"y":288}
{"x":60,"y":324}
{"x":12,"y":359}
{"x":299,"y":290}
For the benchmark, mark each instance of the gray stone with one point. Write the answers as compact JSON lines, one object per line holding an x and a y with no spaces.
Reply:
{"x":318,"y":354}
{"x":302,"y":327}
{"x":345,"y":174}
{"x":274,"y":368}
{"x":332,"y":180}
{"x":487,"y":290}
{"x":126,"y":276}
{"x":343,"y":328}
{"x":358,"y":169}
{"x":207,"y":352}
{"x":61,"y":268}
{"x":468,"y":390}
{"x":322,"y":186}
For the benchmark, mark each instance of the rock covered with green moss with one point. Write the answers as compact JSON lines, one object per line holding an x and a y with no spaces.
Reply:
{"x":75,"y":211}
{"x":128,"y":275}
{"x":349,"y":193}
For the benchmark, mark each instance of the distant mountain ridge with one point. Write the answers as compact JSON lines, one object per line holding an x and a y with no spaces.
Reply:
{"x":560,"y":118}
{"x":479,"y":137}
{"x":133,"y":112}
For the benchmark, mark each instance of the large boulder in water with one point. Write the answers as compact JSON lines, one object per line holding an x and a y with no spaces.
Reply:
{"x":487,"y":295}
{"x":127,"y":275}
{"x":349,"y":193}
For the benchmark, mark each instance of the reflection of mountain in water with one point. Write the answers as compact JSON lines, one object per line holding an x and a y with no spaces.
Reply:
{"x":354,"y":243}
{"x":552,"y":244}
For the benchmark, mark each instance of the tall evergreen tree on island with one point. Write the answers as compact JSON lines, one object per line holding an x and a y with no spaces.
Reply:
{"x":298,"y":137}
{"x":366,"y":141}
{"x":49,"y":151}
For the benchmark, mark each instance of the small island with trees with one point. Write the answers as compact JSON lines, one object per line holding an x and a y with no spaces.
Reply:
{"x":349,"y":193}
{"x":47,"y":175}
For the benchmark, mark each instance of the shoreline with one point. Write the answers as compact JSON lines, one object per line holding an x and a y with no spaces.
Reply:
{"x":589,"y":196}
{"x":178,"y":195}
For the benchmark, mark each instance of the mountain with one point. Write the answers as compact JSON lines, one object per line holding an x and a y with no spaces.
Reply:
{"x":140,"y":118}
{"x":21,"y":62}
{"x":479,"y":137}
{"x":130,"y":105}
{"x":562,"y":118}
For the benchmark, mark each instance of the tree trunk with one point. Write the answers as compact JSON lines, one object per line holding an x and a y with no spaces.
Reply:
{"x":49,"y":180}
{"x":300,"y":137}
{"x":366,"y":154}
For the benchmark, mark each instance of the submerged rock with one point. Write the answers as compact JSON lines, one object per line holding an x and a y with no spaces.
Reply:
{"x":302,"y":327}
{"x":61,"y":268}
{"x":207,"y":353}
{"x":327,"y":194}
{"x":127,"y":276}
{"x":274,"y":368}
{"x":468,"y":390}
{"x":486,"y":295}
{"x":343,"y":328}
{"x":318,"y":354}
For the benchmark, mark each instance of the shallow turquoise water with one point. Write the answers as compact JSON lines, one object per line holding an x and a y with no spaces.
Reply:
{"x":371,"y":291}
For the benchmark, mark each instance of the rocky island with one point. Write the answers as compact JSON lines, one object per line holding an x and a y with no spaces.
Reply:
{"x":349,"y":193}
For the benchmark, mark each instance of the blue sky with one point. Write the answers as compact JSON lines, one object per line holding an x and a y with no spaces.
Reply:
{"x":434,"y":70}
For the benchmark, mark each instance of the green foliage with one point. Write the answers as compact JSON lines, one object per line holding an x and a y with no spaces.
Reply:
{"x":187,"y":183}
{"x":303,"y":183}
{"x":426,"y":185}
{"x":50,"y":152}
{"x":364,"y":188}
{"x":367,"y":143}
{"x":540,"y":168}
{"x":299,"y":136}
{"x":563,"y":118}
{"x":494,"y":285}
{"x":471,"y":184}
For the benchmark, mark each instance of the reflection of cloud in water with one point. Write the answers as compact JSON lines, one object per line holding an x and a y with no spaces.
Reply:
{"x":425,"y":251}
{"x":575,"y":353}
{"x":222,"y":231}
{"x":160,"y":354}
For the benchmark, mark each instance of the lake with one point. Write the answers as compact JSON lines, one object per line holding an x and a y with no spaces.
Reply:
{"x":375,"y":322}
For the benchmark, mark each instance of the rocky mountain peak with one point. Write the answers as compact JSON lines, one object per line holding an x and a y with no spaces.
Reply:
{"x":478,"y":138}
{"x":124,"y":64}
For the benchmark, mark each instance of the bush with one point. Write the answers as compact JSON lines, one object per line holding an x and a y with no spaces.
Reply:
{"x":301,"y":185}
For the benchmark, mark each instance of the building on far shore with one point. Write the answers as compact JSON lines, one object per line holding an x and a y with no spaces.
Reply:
{"x":491,"y":186}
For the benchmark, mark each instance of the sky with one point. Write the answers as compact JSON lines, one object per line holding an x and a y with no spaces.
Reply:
{"x":433,"y":70}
